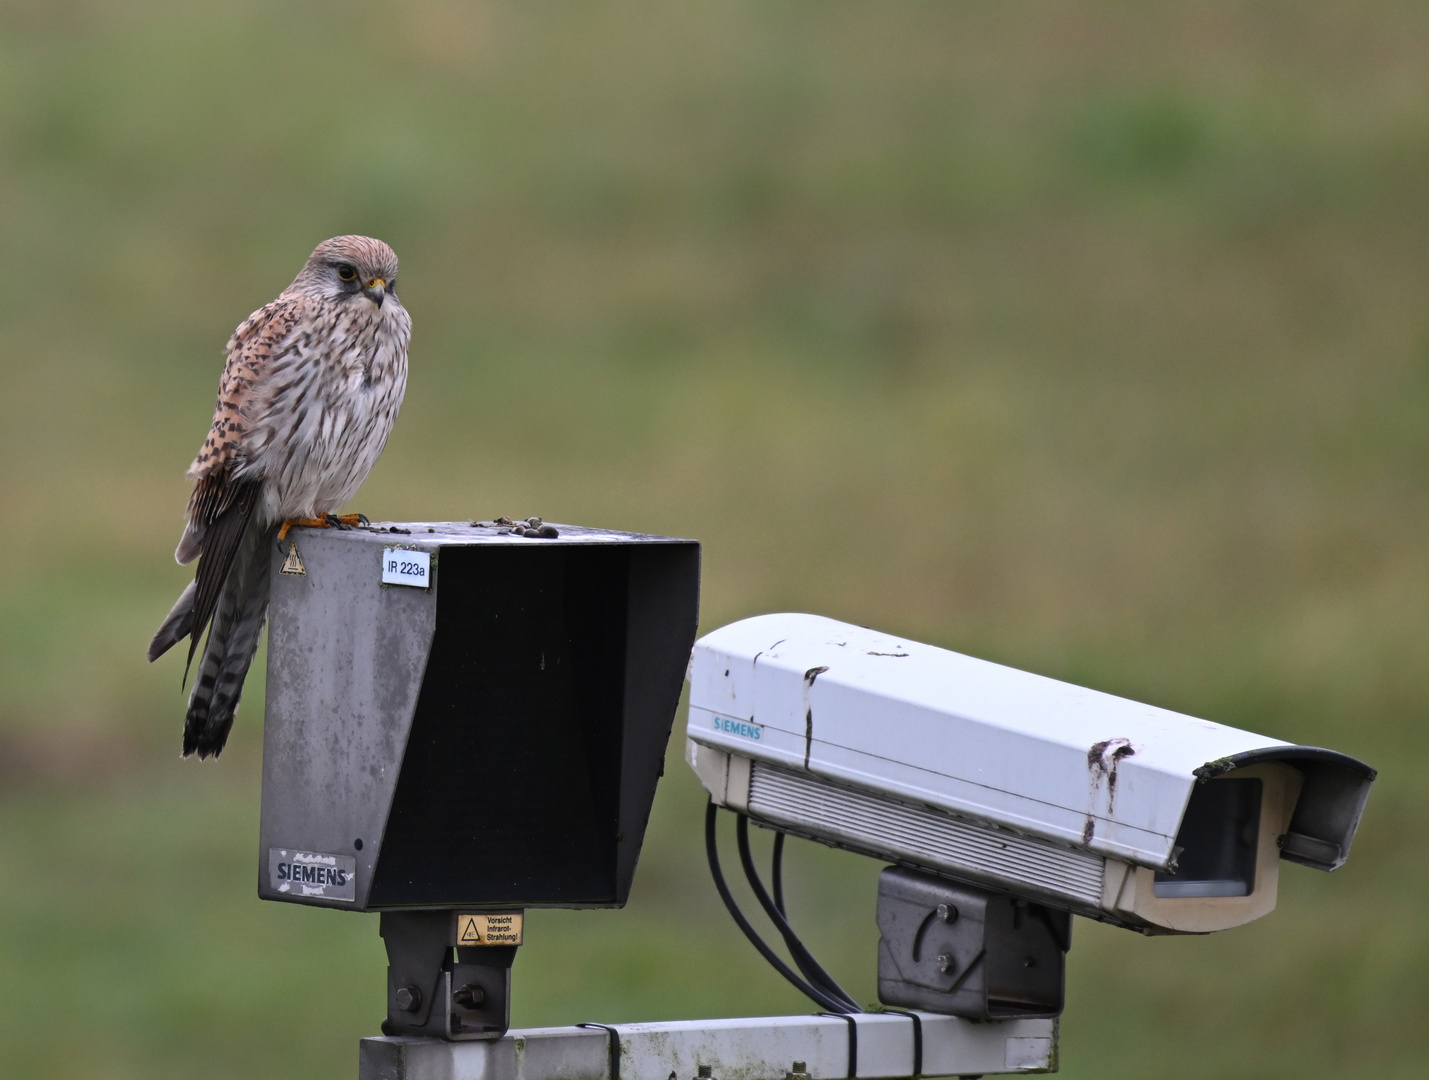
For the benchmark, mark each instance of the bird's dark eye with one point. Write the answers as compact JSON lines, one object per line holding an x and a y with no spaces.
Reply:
{"x":347,"y":271}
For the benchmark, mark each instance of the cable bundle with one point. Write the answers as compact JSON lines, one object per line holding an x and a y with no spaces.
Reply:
{"x":815,"y":982}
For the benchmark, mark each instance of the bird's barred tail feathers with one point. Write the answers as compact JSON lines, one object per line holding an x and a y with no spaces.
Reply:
{"x":230,"y":589}
{"x":178,"y":624}
{"x":232,"y":640}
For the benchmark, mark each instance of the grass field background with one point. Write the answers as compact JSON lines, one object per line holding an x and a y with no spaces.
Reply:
{"x":1088,"y":338}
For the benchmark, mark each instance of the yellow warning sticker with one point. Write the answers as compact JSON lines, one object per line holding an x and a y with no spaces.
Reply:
{"x":488,"y":929}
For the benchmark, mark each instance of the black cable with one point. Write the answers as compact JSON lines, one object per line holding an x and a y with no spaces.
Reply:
{"x":810,"y":967}
{"x":712,"y":851}
{"x":777,"y":877}
{"x":777,"y":882}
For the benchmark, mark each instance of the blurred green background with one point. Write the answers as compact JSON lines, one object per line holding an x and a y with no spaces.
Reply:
{"x":1087,"y":338}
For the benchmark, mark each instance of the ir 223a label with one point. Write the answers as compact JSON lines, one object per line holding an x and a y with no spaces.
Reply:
{"x":402,"y":566}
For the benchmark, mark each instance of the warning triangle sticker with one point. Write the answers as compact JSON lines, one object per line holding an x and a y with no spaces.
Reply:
{"x":466,"y":931}
{"x":293,"y":564}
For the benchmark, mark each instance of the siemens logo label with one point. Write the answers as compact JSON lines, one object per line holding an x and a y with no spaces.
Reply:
{"x":312,"y":875}
{"x":739,"y":727}
{"x":302,"y":874}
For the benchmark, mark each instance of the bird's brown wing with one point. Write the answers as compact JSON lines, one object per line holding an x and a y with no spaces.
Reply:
{"x":220,"y":462}
{"x":226,"y":494}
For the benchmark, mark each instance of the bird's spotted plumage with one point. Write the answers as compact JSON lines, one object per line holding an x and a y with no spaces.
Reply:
{"x":307,"y":399}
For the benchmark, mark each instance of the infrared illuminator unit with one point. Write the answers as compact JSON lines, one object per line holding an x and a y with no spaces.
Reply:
{"x":965,"y":772}
{"x":465,"y":720}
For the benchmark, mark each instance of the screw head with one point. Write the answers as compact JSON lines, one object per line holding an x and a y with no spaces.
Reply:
{"x":947,"y":913}
{"x":470,"y":996}
{"x":946,"y":963}
{"x":409,"y":998}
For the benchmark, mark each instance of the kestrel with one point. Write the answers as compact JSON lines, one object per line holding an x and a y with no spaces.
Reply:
{"x":308,"y":397}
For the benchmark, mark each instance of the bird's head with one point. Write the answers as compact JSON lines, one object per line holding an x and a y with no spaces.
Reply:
{"x":348,"y":268}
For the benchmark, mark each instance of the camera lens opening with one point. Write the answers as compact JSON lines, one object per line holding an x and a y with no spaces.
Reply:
{"x":1217,"y":839}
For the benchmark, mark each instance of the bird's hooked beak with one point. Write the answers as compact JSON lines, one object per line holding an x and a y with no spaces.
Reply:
{"x":376,"y":289}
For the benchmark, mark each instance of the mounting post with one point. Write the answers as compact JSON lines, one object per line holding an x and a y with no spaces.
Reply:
{"x":449,"y":973}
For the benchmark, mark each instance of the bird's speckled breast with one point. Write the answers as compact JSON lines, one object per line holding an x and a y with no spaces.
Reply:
{"x":331,"y":399}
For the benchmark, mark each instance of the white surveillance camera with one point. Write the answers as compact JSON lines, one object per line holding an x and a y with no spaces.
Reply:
{"x":1060,"y":795}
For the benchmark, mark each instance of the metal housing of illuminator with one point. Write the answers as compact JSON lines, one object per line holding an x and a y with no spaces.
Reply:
{"x":466,"y":720}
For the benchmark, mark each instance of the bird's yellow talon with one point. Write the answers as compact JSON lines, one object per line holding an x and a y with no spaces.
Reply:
{"x":306,"y":523}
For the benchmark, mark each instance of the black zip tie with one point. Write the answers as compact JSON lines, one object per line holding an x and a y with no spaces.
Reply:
{"x":852,"y":1041}
{"x":917,"y":1038}
{"x":614,"y":1048}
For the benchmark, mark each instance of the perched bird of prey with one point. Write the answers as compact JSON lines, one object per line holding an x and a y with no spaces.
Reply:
{"x":307,"y":399}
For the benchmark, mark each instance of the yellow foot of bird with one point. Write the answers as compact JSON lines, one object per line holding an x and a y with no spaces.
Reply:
{"x":307,"y":523}
{"x":327,"y":521}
